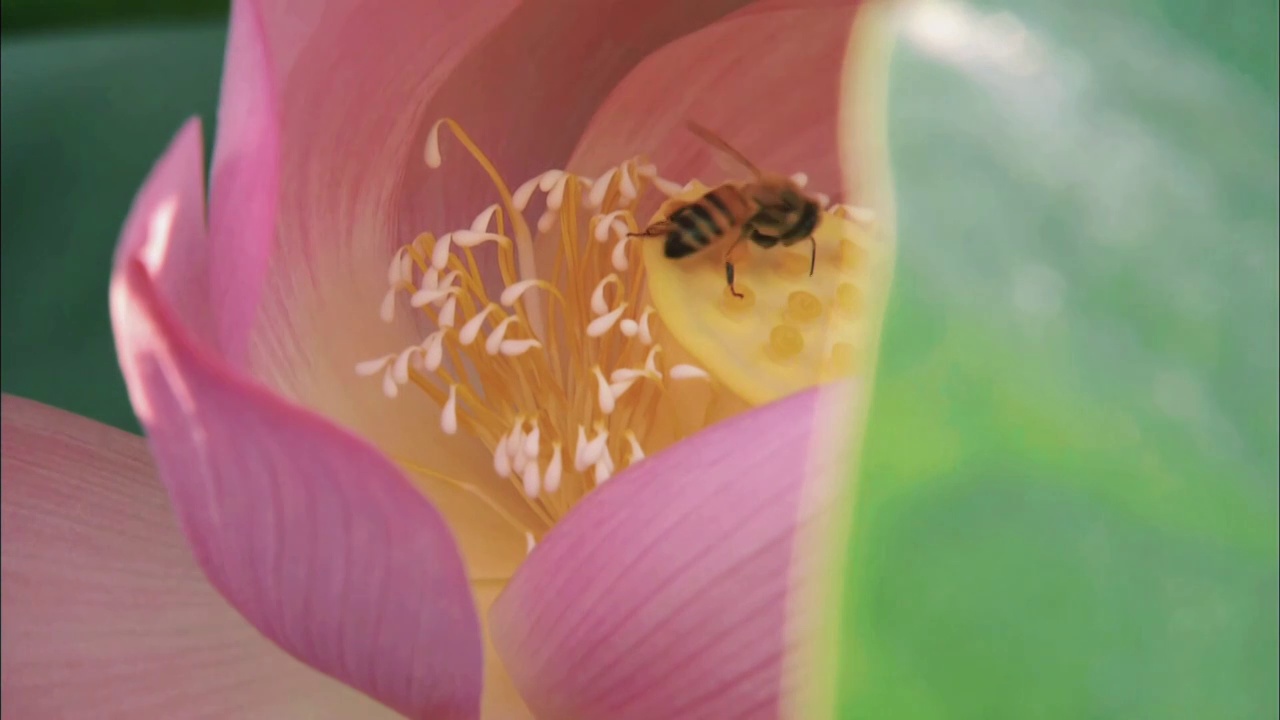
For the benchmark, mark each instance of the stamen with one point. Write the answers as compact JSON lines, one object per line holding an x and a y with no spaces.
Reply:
{"x":685,"y":372}
{"x":471,"y":238}
{"x":604,"y":467}
{"x":601,"y":325}
{"x":598,"y":304}
{"x":589,"y":454}
{"x":637,"y":452}
{"x":604,"y":393}
{"x":501,"y":461}
{"x":532,"y":479}
{"x":434,"y":345}
{"x":471,"y":328}
{"x":494,"y":342}
{"x":367,"y":368}
{"x":449,"y":312}
{"x":440,"y":253}
{"x":449,"y":414}
{"x":600,"y":186}
{"x":609,"y":223}
{"x":551,"y":479}
{"x":619,"y":256}
{"x":514,"y":348}
{"x":481,"y":223}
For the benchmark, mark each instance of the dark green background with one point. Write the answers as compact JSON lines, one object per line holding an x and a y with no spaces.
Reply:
{"x":1069,"y":505}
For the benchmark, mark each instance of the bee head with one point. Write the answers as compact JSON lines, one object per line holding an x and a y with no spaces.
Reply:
{"x":785,"y":210}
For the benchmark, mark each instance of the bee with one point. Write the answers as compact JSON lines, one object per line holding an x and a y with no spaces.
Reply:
{"x":767,"y":210}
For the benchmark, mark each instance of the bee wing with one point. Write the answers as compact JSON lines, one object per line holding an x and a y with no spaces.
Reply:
{"x":720,"y":144}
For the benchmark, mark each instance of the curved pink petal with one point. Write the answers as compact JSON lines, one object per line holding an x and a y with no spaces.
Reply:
{"x":244,"y":183}
{"x":105,"y":613}
{"x":307,"y":530}
{"x":663,"y":594}
{"x":776,"y":101}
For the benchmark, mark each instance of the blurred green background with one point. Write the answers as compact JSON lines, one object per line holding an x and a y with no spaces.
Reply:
{"x":1069,"y":500}
{"x":24,"y":16}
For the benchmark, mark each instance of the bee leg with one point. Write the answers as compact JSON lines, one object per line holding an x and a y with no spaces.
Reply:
{"x":728,"y":274}
{"x":657,"y":229}
{"x":728,"y":264}
{"x":813,"y":255}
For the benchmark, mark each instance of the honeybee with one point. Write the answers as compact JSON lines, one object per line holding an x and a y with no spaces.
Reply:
{"x":767,"y":210}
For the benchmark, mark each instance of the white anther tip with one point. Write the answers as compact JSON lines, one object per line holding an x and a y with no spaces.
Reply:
{"x":555,"y":468}
{"x":432,"y":152}
{"x":666,"y":187}
{"x":512,"y":292}
{"x":546,"y":221}
{"x":449,"y":415}
{"x":601,"y":325}
{"x":618,"y":258}
{"x":389,"y":387}
{"x":685,"y":372}
{"x":449,"y":313}
{"x":471,"y":238}
{"x":434,"y":345}
{"x":549,"y":179}
{"x":367,"y":368}
{"x":471,"y":328}
{"x":555,"y":198}
{"x":387,"y":312}
{"x":602,"y":472}
{"x":646,"y":337}
{"x":501,"y":461}
{"x":637,"y":452}
{"x":800,"y":179}
{"x":529,"y":542}
{"x":514,"y":348}
{"x":626,"y":186}
{"x":493,"y":343}
{"x":427,"y":296}
{"x":629,"y":327}
{"x":523,"y":194}
{"x":532,"y":479}
{"x":598,"y":304}
{"x":481,"y":223}
{"x":440,"y":253}
{"x":604,"y":392}
{"x":400,"y":368}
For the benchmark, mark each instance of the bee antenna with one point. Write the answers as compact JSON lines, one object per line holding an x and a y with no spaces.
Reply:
{"x":716,"y":141}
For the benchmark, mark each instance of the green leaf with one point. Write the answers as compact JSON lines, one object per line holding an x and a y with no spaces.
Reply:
{"x":83,"y":118}
{"x":1068,"y":496}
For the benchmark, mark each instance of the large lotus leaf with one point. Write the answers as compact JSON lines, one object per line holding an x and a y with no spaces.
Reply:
{"x":1067,"y":505}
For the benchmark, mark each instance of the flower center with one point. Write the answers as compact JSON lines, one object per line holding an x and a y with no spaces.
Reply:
{"x":570,"y":375}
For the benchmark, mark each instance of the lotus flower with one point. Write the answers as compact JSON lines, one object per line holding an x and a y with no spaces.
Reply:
{"x":466,"y":462}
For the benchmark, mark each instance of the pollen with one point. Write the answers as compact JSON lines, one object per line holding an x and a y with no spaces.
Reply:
{"x":570,"y":349}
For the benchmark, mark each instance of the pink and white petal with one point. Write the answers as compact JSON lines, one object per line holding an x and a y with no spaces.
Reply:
{"x":312,"y":534}
{"x":665,"y":593}
{"x":243,"y":189}
{"x":718,"y":77}
{"x":174,"y":193}
{"x":105,"y":613}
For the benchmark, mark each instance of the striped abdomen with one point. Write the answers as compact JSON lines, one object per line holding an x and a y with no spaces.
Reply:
{"x":705,"y":220}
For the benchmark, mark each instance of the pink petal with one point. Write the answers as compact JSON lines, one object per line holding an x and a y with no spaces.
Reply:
{"x":105,"y":613}
{"x":663,"y":594}
{"x":307,"y":530}
{"x":243,"y":189}
{"x":734,"y":77}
